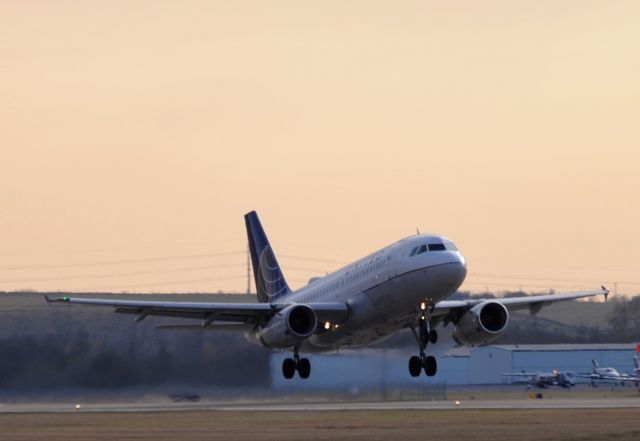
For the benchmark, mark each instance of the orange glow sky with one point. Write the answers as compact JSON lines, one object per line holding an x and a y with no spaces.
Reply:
{"x":133,"y":131}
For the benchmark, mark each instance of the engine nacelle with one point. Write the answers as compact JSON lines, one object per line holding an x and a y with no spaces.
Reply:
{"x":289,"y":327}
{"x":481,"y":324}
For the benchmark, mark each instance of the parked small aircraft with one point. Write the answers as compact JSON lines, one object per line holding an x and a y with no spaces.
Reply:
{"x":611,"y":375}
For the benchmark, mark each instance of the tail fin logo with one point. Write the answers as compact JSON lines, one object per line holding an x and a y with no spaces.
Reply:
{"x":272,"y":282}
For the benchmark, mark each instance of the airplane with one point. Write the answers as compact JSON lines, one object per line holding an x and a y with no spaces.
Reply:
{"x":611,"y":375}
{"x":402,"y":286}
{"x":545,"y":379}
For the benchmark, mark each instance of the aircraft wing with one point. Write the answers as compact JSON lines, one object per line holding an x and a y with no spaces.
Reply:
{"x":448,"y":308}
{"x":630,"y":379}
{"x":210,"y":313}
{"x":590,"y":376}
{"x":519,"y":374}
{"x":598,"y":377}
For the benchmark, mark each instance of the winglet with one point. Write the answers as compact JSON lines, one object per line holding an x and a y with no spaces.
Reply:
{"x":606,"y":292}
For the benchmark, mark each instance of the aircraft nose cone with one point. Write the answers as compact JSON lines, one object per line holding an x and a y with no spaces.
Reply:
{"x":457,"y":273}
{"x":448,"y":277}
{"x":462,"y":260}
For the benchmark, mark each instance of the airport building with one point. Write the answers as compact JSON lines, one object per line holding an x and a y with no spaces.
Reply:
{"x":457,"y":366}
{"x":486,"y":364}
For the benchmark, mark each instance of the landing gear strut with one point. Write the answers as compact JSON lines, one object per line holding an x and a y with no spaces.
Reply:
{"x":424,"y":335}
{"x":291,"y":365}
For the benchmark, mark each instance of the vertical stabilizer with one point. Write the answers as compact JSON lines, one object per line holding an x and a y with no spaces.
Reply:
{"x":270,"y":282}
{"x":595,"y":364}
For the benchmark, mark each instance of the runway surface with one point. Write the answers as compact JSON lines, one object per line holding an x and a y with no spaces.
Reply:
{"x":596,"y":403}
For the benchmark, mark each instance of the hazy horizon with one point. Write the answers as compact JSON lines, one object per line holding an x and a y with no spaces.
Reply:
{"x":135,"y":135}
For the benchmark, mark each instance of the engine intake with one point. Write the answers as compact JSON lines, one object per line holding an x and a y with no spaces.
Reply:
{"x":481,"y":324}
{"x":289,"y":327}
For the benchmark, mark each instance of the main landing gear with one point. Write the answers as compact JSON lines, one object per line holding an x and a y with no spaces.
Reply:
{"x":424,"y":335}
{"x":291,"y":365}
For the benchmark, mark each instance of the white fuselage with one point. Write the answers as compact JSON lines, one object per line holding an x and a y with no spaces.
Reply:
{"x":607,"y":372}
{"x":384,"y":290}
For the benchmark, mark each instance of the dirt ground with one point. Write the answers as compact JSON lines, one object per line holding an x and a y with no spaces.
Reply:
{"x":456,"y":424}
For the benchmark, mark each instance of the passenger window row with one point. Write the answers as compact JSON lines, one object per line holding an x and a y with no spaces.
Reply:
{"x":361,"y":270}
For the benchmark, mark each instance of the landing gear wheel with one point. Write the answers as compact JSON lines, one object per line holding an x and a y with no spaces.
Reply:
{"x":288,"y":368}
{"x":415,"y":366}
{"x":304,"y":368}
{"x":430,"y":365}
{"x":424,"y":334}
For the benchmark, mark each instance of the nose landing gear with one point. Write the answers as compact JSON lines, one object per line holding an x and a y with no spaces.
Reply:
{"x":424,"y":335}
{"x":291,"y":365}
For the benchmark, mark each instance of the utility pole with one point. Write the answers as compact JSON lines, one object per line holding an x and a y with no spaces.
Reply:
{"x":248,"y":269}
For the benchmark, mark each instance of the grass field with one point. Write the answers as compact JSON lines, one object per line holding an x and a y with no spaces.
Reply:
{"x":458,"y":424}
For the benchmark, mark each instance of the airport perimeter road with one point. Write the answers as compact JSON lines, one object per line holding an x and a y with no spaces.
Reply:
{"x":584,"y":403}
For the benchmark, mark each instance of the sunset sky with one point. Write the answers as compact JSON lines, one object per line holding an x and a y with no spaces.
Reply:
{"x":134,"y":135}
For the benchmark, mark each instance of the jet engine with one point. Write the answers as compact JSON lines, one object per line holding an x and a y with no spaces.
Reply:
{"x":481,"y":324}
{"x":289,"y":327}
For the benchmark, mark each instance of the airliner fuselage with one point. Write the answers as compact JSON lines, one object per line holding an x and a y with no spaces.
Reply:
{"x":384,"y":290}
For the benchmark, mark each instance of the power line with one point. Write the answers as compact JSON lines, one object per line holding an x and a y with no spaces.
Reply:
{"x":249,"y":268}
{"x":45,"y":266}
{"x":293,"y":269}
{"x":119,"y":262}
{"x":173,"y":282}
{"x":512,"y":285}
{"x":545,"y":279}
{"x":116,"y":275}
{"x":312,"y":259}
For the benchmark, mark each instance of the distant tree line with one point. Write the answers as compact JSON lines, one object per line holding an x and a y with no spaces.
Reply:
{"x":56,"y":347}
{"x":623,"y":327}
{"x":51,"y":347}
{"x":51,"y":361}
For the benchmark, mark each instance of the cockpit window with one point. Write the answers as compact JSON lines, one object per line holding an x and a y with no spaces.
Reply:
{"x":450,"y":246}
{"x":435,"y":246}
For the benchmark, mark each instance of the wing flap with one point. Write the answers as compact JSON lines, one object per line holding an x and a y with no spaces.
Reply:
{"x":230,"y":327}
